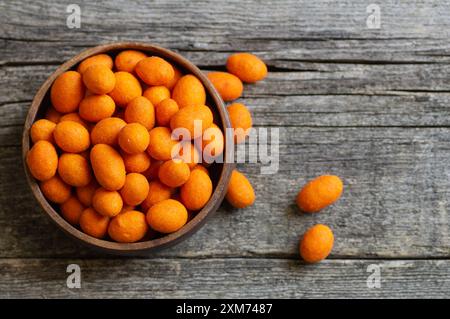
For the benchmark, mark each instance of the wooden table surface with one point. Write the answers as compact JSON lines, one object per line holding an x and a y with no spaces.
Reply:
{"x":370,"y":105}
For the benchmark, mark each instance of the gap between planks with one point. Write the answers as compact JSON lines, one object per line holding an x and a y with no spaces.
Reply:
{"x":229,"y":257}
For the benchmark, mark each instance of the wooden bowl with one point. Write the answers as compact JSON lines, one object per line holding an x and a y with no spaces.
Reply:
{"x":220,"y":173}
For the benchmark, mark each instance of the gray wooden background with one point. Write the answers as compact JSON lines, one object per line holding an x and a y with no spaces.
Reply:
{"x":371,"y":105}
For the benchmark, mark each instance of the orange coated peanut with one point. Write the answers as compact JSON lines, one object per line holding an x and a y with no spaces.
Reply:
{"x":128,"y":227}
{"x":102,"y":59}
{"x":55,"y":190}
{"x":42,"y":130}
{"x":212,"y":142}
{"x":107,"y":131}
{"x":174,"y":173}
{"x":189,"y":116}
{"x":74,"y":169}
{"x":189,"y":91}
{"x":93,"y":224}
{"x":99,"y":79}
{"x":71,"y":136}
{"x":140,"y":110}
{"x":319,"y":193}
{"x":85,"y":193}
{"x":161,"y":144}
{"x":67,"y":92}
{"x":74,"y":117}
{"x":248,"y":67}
{"x":229,"y":86}
{"x":157,"y":192}
{"x":107,"y":203}
{"x":188,"y":154}
{"x":108,"y":167}
{"x":155,"y":71}
{"x":95,"y":108}
{"x":42,"y":160}
{"x":133,"y":138}
{"x":126,"y":89}
{"x":240,"y":193}
{"x":136,"y":163}
{"x":128,"y":59}
{"x":175,"y":78}
{"x":202,"y":168}
{"x":164,"y":111}
{"x":196,"y":192}
{"x":241,"y":121}
{"x":316,"y":244}
{"x":135,"y":189}
{"x":71,"y":210}
{"x":156,"y":94}
{"x":167,"y":216}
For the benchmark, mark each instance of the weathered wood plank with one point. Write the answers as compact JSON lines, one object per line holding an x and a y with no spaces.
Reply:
{"x":409,"y":109}
{"x":21,"y":83}
{"x":395,"y":203}
{"x":282,"y":54}
{"x":192,"y":22}
{"x":223,"y":278}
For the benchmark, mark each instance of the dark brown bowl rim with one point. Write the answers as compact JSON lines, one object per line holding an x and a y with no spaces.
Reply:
{"x":143,"y":247}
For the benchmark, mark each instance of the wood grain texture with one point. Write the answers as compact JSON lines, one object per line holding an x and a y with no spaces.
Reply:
{"x":369,"y":105}
{"x":223,"y":278}
{"x":395,"y":201}
{"x":19,"y":83}
{"x":248,"y":20}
